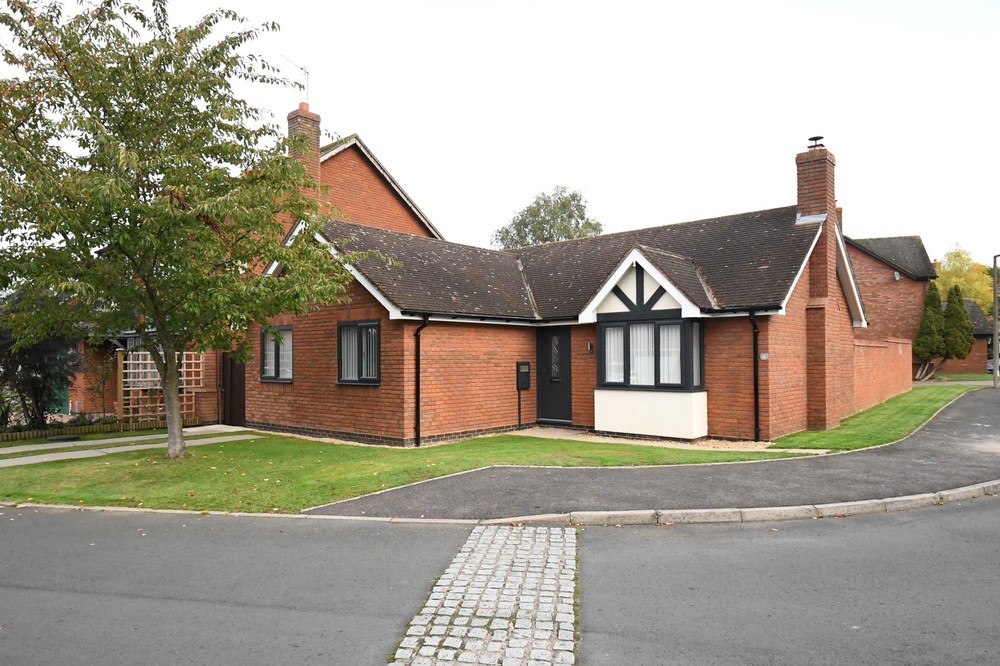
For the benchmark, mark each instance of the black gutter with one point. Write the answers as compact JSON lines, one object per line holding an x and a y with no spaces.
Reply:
{"x":416,"y":428}
{"x":756,"y":376}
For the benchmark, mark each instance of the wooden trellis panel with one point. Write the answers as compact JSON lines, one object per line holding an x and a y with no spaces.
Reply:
{"x":142,"y":391}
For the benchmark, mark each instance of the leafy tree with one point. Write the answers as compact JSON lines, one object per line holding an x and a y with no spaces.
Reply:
{"x":976,"y":280}
{"x":929,"y":343}
{"x":35,"y":374}
{"x":958,"y":333}
{"x":139,"y":192}
{"x":561,"y":215}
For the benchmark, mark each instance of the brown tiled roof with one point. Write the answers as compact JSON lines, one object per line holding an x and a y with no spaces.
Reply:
{"x":905,"y":254}
{"x":435,"y":276}
{"x":746,"y":261}
{"x":725,"y":263}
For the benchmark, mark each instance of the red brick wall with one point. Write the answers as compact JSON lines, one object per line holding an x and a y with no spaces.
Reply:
{"x":893,"y":307}
{"x":975,"y":362}
{"x":363,"y":195}
{"x":208,"y":398}
{"x":84,"y":398}
{"x":314,"y":400}
{"x":584,"y":364}
{"x":729,"y":377}
{"x":468,"y":380}
{"x":785,"y":393}
{"x":881,"y":370}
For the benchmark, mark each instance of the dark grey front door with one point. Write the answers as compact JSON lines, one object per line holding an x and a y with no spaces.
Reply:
{"x":554,"y":379}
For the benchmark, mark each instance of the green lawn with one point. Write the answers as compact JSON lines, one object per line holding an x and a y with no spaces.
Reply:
{"x":892,"y":420}
{"x":286,"y":474}
{"x":959,"y":377}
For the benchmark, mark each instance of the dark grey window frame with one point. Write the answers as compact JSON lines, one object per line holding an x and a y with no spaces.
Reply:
{"x":358,"y":328}
{"x":266,"y":339}
{"x":665,"y":317}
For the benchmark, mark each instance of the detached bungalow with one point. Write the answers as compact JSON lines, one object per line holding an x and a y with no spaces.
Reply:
{"x":742,"y":326}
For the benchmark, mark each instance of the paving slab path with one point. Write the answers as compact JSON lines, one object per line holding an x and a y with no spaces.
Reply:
{"x":959,"y":447}
{"x":96,"y":453}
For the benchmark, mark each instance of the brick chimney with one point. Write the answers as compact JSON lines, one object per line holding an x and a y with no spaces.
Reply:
{"x":302,"y":121}
{"x":815,"y":171}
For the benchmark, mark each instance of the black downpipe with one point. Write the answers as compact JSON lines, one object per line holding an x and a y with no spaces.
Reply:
{"x":416,"y":429}
{"x":756,"y":376}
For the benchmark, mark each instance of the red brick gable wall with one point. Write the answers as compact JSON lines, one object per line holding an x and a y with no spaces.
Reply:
{"x":785,"y":391}
{"x":359,"y":191}
{"x":893,"y":307}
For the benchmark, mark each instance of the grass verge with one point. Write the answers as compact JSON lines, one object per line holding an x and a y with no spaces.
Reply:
{"x":960,"y":377}
{"x":287,"y":474}
{"x":893,"y":419}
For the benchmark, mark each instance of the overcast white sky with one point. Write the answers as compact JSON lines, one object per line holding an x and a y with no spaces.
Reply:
{"x":659,"y":112}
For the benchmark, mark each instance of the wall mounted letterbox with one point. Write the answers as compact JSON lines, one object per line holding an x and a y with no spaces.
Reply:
{"x":523,"y":375}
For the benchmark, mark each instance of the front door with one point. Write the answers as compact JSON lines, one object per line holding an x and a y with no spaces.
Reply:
{"x":554,"y":385}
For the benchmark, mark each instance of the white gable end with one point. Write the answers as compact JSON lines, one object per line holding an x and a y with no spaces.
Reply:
{"x":607,"y":300}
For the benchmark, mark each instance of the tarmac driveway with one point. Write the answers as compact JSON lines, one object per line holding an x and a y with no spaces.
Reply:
{"x":958,"y":447}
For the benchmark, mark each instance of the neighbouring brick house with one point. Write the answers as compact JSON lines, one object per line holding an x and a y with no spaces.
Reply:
{"x":982,"y":331}
{"x":740,"y":326}
{"x":893,"y":274}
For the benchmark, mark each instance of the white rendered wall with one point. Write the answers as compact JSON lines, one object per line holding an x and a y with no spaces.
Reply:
{"x":680,"y":415}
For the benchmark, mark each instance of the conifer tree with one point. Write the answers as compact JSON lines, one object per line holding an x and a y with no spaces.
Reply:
{"x":929,"y":343}
{"x":958,"y":333}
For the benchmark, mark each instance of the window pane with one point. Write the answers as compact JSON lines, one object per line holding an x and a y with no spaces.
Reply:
{"x":670,"y":354}
{"x":369,"y":352}
{"x":285,"y":358}
{"x":614,"y":354}
{"x":640,"y":358}
{"x":696,"y":351}
{"x":349,"y":353}
{"x":554,"y":356}
{"x":268,"y":345}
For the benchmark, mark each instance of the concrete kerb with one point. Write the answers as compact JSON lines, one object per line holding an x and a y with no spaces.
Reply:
{"x":617,"y":518}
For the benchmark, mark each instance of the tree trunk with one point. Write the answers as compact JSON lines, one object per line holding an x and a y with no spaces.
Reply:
{"x":171,"y":400}
{"x":926,"y":370}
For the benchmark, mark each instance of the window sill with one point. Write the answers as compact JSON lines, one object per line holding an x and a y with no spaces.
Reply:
{"x":275,"y":380}
{"x":668,"y":389}
{"x":341,"y":382}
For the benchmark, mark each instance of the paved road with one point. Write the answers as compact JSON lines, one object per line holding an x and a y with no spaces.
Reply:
{"x":126,"y":588}
{"x":960,"y":447}
{"x":917,"y":587}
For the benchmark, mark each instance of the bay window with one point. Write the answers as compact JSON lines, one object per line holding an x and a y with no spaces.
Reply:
{"x":658,"y":354}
